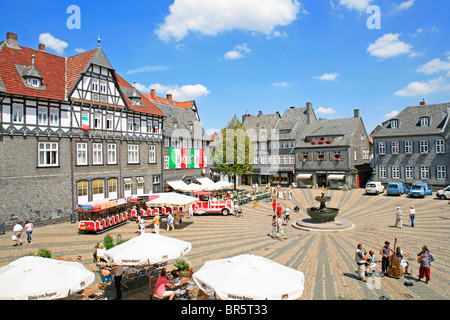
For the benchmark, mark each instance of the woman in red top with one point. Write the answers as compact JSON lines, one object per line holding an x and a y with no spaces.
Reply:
{"x":274,"y":206}
{"x":161,"y":285}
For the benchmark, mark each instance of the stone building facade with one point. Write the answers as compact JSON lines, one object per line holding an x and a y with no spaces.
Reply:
{"x":414,"y":146}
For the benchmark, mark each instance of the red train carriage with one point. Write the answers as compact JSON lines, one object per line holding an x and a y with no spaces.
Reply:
{"x":99,"y":216}
{"x":207,"y":204}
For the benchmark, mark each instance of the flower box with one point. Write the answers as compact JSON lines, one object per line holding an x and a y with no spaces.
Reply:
{"x":313,"y":142}
{"x":329,"y":141}
{"x":321,"y":141}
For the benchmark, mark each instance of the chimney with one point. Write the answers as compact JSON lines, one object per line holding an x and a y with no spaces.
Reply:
{"x":260,"y":113}
{"x":278,"y":113}
{"x":356,"y":113}
{"x":308,"y":112}
{"x":169,"y":98}
{"x":41,"y":47}
{"x":11,"y":40}
{"x":153,"y":93}
{"x":422,"y":103}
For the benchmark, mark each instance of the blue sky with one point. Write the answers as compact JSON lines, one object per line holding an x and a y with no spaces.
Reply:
{"x":242,"y":56}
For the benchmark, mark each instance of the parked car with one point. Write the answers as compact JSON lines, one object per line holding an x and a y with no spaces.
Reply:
{"x":420,"y":189}
{"x":444,"y":193}
{"x":374,"y":187}
{"x":397,"y":188}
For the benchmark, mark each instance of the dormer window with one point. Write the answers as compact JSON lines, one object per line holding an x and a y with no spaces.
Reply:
{"x":135,"y":97}
{"x":30,"y":76}
{"x":424,"y":121}
{"x":394,"y":124}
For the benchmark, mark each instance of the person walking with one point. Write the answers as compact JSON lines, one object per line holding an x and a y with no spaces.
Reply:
{"x":274,"y":206}
{"x":287,"y":217}
{"x":425,"y":259}
{"x":360,"y":259}
{"x":17,"y":232}
{"x":29,"y":230}
{"x":274,"y":233}
{"x":398,"y":218}
{"x":170,"y":222}
{"x":156,"y":223}
{"x":191,"y":212}
{"x":385,"y":253}
{"x":412,"y":215}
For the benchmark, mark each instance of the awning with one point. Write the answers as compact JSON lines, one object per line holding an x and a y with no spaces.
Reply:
{"x":336,"y":177}
{"x":127,"y":180}
{"x":140,"y":180}
{"x":304,"y":176}
{"x":183,"y":187}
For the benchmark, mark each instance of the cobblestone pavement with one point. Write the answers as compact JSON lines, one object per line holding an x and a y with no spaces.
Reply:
{"x":326,"y":258}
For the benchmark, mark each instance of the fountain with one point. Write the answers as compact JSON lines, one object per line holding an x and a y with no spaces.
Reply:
{"x":323,"y":218}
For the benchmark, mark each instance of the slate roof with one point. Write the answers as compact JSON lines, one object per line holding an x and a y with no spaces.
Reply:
{"x":289,"y":126}
{"x":339,"y":130}
{"x":409,"y":121}
{"x":181,"y":117}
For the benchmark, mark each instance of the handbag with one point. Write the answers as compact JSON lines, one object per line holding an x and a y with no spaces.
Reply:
{"x":14,"y":237}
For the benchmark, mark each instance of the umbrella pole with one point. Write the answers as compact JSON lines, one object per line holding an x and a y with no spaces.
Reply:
{"x":150,"y":279}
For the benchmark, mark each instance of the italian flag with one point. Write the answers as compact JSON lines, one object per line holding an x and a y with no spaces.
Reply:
{"x":185,"y":158}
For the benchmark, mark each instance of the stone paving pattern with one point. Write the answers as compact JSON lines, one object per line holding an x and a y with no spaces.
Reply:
{"x":326,"y":258}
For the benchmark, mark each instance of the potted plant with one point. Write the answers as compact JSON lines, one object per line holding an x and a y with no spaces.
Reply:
{"x":313,"y":142}
{"x":321,"y":141}
{"x":328,"y":141}
{"x":183,"y":267}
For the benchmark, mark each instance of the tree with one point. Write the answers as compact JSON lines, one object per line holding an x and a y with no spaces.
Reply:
{"x":233,"y":150}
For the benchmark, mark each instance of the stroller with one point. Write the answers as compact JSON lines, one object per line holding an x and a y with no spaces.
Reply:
{"x":296,"y":209}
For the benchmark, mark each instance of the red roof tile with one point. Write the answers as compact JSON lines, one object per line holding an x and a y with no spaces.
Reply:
{"x":75,"y":66}
{"x":185,"y":104}
{"x":51,"y":68}
{"x":148,"y":106}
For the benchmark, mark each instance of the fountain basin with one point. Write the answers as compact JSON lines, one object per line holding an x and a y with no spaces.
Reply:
{"x":322,"y":215}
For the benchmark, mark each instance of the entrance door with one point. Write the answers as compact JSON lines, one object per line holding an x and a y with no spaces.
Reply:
{"x":321,"y":180}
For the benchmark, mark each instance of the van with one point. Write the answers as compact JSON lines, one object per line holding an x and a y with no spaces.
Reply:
{"x":420,"y":189}
{"x":396,"y":188}
{"x":374,"y":187}
{"x":444,"y":193}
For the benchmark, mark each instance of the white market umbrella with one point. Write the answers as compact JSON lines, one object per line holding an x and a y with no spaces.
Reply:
{"x":37,"y":278}
{"x":147,"y":248}
{"x":224,"y":184}
{"x":171,"y":199}
{"x":249,"y":276}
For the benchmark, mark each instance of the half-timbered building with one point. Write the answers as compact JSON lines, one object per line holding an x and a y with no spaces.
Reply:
{"x":71,"y":131}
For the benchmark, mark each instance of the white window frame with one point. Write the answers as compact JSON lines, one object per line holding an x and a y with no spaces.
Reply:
{"x":394,"y":124}
{"x":382,"y":148}
{"x":98,"y":191}
{"x":112,"y":153}
{"x":409,"y":172}
{"x":137,"y":124}
{"x":424,"y":172}
{"x":441,"y":172}
{"x":423,"y":146}
{"x":53,"y":117}
{"x":42,"y":116}
{"x":98,"y":120}
{"x":83,"y":188}
{"x":408,"y":147}
{"x":395,"y":172}
{"x":133,"y":153}
{"x":102,"y":86}
{"x":382,"y":172}
{"x":82,"y":154}
{"x":94,"y":85}
{"x":109,"y":122}
{"x":440,"y":146}
{"x":112,"y":188}
{"x":17,"y":114}
{"x":395,"y":147}
{"x":424,"y":121}
{"x":48,"y":154}
{"x":97,"y":153}
{"x":151,"y":154}
{"x":130,"y":124}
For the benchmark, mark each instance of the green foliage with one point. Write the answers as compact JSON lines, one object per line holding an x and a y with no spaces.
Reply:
{"x":108,"y":241}
{"x":182,"y":264}
{"x":44,"y":253}
{"x":234,"y":152}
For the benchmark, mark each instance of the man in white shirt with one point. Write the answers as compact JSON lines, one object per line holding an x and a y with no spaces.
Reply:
{"x":17,"y":232}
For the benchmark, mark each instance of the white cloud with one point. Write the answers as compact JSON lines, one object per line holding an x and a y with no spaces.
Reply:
{"x":147,"y":69}
{"x":183,"y":93}
{"x":391,"y":114}
{"x":51,"y":42}
{"x":328,"y":76}
{"x":435,"y":65}
{"x":212,"y":17}
{"x":388,"y":46}
{"x":79,"y":50}
{"x":240,"y":51}
{"x":416,"y":88}
{"x":358,"y":5}
{"x":405,"y":5}
{"x":322,"y":110}
{"x":282,"y":84}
